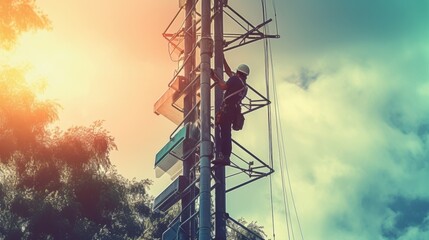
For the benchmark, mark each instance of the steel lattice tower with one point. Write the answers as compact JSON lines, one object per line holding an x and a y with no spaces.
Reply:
{"x":188,"y":104}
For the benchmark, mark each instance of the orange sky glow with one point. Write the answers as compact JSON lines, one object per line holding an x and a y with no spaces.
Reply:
{"x":109,"y":62}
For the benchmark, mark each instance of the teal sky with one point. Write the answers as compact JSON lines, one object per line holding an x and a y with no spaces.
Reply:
{"x":353,"y":77}
{"x":353,"y":85}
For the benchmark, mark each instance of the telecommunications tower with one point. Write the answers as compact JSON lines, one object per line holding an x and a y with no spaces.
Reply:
{"x":188,"y":103}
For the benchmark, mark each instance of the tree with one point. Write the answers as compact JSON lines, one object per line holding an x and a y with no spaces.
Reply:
{"x":237,"y":232}
{"x":60,"y":184}
{"x":18,"y":16}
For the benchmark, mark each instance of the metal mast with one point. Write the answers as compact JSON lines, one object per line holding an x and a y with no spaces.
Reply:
{"x":205,"y":150}
{"x":220,"y":198}
{"x":188,"y":207}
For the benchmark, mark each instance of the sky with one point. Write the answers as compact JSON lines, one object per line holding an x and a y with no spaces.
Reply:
{"x":352,"y":79}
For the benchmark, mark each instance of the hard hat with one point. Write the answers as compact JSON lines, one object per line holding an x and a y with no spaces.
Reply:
{"x":244,"y":69}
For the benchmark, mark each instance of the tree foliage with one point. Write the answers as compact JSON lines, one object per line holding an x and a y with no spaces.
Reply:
{"x":237,"y":232}
{"x":60,"y":184}
{"x":17,"y":17}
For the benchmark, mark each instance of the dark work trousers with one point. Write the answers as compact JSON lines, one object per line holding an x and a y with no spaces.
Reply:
{"x":225,"y":132}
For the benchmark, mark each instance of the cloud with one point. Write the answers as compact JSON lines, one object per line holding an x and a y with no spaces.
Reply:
{"x":357,"y":140}
{"x":407,"y":214}
{"x":303,"y":79}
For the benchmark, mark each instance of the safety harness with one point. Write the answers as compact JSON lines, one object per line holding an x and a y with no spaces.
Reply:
{"x":238,"y":121}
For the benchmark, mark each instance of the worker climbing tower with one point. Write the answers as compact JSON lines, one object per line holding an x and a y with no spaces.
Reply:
{"x":189,"y":104}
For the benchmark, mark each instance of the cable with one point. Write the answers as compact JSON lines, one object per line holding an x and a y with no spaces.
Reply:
{"x":275,"y":15}
{"x":282,"y":151}
{"x":269,"y":65}
{"x":270,"y":129}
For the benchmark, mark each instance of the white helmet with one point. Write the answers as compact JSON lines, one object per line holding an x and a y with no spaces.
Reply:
{"x":244,"y":69}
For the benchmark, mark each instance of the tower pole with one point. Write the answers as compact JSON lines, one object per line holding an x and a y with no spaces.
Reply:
{"x":220,"y":198}
{"x":206,"y":44}
{"x":189,"y":102}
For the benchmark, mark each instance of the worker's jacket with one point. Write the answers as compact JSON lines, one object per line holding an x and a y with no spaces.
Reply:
{"x":234,"y":94}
